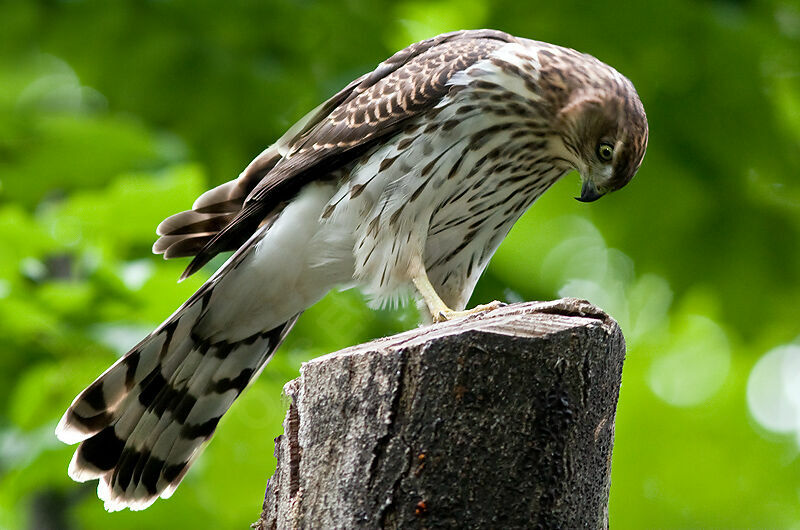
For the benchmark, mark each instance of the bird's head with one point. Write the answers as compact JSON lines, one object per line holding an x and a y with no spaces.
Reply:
{"x":604,"y":131}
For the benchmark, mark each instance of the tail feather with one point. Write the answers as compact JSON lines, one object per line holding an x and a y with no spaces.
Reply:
{"x":101,"y":451}
{"x":144,"y":420}
{"x":100,"y":404}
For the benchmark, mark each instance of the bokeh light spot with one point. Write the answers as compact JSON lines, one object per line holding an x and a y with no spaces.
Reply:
{"x":694,"y":365}
{"x":773,"y":396}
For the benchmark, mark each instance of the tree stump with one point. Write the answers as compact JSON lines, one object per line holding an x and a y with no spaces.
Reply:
{"x":499,"y":420}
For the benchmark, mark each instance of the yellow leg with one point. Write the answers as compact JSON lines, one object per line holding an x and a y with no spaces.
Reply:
{"x":439,"y":310}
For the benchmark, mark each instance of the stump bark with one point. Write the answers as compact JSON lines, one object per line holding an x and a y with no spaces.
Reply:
{"x":498,"y":420}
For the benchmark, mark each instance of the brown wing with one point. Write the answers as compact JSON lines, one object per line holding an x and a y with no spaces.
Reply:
{"x":368,"y":110}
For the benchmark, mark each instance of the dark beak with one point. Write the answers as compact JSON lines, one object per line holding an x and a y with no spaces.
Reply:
{"x":589,"y":192}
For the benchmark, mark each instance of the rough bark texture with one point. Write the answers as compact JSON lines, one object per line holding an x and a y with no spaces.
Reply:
{"x":499,"y":420}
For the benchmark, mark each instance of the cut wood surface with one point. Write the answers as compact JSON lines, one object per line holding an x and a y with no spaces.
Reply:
{"x":499,"y":420}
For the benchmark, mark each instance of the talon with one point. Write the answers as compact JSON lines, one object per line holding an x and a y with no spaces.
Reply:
{"x":491,"y":306}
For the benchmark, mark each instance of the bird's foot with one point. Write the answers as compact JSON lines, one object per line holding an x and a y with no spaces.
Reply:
{"x":448,"y":314}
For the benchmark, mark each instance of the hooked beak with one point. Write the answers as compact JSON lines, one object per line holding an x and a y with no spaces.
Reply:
{"x":589,"y":192}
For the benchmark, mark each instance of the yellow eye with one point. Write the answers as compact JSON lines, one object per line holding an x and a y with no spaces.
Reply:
{"x":605,"y":152}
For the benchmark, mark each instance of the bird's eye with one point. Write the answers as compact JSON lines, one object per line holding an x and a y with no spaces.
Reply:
{"x":605,"y":152}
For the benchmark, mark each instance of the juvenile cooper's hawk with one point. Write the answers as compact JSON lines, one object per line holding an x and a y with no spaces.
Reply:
{"x":412,"y":175}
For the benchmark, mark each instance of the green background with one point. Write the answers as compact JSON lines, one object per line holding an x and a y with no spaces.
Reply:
{"x":114,"y":115}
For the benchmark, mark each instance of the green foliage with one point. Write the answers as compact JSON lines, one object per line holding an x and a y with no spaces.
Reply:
{"x":114,"y":116}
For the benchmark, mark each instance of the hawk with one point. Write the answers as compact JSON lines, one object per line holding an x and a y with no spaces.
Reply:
{"x":405,"y":181}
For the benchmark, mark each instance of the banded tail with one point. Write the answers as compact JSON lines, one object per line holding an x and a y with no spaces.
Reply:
{"x":143,"y":422}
